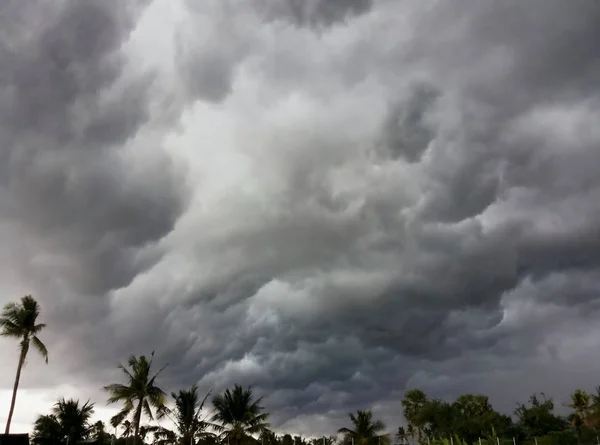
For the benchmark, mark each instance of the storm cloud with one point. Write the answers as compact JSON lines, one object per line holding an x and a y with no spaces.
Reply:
{"x":332,"y":201}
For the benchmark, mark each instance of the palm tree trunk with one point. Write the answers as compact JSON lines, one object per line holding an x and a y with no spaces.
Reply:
{"x":138,"y":418}
{"x":24,"y":347}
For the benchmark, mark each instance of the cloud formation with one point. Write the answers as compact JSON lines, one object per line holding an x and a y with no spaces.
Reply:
{"x":333,"y":201}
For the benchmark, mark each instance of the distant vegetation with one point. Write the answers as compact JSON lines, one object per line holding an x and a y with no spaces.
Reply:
{"x":238,"y":417}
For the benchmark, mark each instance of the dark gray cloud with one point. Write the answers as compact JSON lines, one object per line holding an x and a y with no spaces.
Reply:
{"x":70,"y":114}
{"x":407,"y":133}
{"x":65,"y":134}
{"x":406,"y":197}
{"x":314,"y":13}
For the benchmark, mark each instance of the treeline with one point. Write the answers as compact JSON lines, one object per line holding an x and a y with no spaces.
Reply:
{"x":238,"y":418}
{"x":471,"y":419}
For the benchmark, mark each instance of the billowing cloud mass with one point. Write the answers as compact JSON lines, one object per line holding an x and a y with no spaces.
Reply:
{"x":333,"y":201}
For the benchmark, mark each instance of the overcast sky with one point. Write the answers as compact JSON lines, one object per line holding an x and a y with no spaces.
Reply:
{"x":332,"y":200}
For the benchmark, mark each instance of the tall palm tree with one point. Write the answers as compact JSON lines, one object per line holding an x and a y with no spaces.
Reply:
{"x":237,"y":415}
{"x":19,"y":321}
{"x":140,"y":394}
{"x":364,"y":431}
{"x":190,"y":427}
{"x":69,"y":423}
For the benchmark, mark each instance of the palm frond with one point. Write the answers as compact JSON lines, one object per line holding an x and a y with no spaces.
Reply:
{"x":345,"y":431}
{"x":146,"y":409}
{"x":41,"y":347}
{"x":10,"y":328}
{"x":118,"y":418}
{"x":126,"y":372}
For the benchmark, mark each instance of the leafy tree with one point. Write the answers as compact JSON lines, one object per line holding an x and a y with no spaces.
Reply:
{"x":473,"y":414}
{"x":365,"y":430}
{"x":538,"y":419}
{"x":140,"y":394}
{"x":268,"y":437}
{"x":437,"y":419}
{"x":99,"y":432}
{"x":468,"y":417}
{"x":287,"y":440}
{"x":19,"y":321}
{"x":323,"y":440}
{"x":593,"y":412}
{"x":190,"y":428}
{"x":67,"y":424}
{"x":414,"y":402}
{"x":298,"y":440}
{"x":238,"y":415}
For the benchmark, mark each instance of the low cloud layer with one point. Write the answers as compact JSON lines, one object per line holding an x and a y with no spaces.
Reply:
{"x":332,"y":201}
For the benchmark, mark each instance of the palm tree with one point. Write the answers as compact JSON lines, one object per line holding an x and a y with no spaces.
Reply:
{"x":74,"y":419}
{"x":401,"y":436}
{"x":118,"y":420}
{"x":580,"y":404}
{"x":144,"y":430}
{"x":365,"y":431}
{"x":237,"y":415}
{"x":68,"y":423}
{"x":164,"y":436}
{"x":115,"y":421}
{"x":126,"y":426}
{"x":139,"y":394}
{"x":47,"y":429}
{"x":19,"y":321}
{"x":190,"y":428}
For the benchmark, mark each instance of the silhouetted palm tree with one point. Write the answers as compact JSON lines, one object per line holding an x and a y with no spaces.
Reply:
{"x":401,"y":436}
{"x":48,"y":429}
{"x":364,"y":431}
{"x":68,"y":423}
{"x":140,"y":394}
{"x":190,"y":427}
{"x":19,"y":321}
{"x":237,"y":415}
{"x":126,"y":427}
